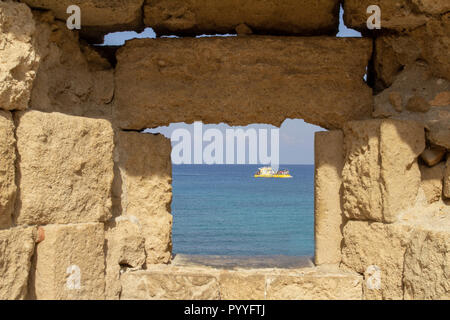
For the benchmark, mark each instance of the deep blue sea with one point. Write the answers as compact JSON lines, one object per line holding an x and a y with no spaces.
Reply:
{"x":224,"y":210}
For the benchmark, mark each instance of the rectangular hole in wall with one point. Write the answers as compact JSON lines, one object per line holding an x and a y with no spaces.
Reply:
{"x":222,"y":209}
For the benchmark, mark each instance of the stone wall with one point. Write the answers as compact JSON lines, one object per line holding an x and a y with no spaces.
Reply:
{"x":241,"y":81}
{"x":85,"y":196}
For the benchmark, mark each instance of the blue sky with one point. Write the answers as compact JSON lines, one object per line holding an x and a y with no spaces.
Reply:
{"x":296,"y":136}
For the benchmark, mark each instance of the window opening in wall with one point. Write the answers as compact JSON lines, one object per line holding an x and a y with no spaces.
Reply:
{"x":224,"y":209}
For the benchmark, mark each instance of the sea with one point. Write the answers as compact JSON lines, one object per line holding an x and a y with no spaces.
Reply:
{"x":223,"y":210}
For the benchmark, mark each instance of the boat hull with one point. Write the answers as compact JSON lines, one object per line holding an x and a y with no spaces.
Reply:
{"x":279,"y":176}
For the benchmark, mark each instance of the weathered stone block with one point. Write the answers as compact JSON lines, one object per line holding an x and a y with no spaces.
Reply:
{"x":381,"y":176}
{"x":147,"y":189}
{"x":432,"y":181}
{"x":376,"y":246}
{"x":98,"y":17}
{"x":197,"y":17}
{"x":7,"y":169}
{"x":128,"y":243}
{"x":416,"y":80}
{"x":16,"y":250}
{"x":72,"y":78}
{"x":19,"y":60}
{"x":69,"y":263}
{"x":314,"y":286}
{"x":427,"y":266}
{"x":167,"y":284}
{"x":242,"y":80}
{"x":397,"y":15}
{"x":329,"y":162}
{"x":125,"y":248}
{"x":434,"y":155}
{"x":66,"y":168}
{"x":430,"y":43}
{"x":242,"y":286}
{"x":202,"y":282}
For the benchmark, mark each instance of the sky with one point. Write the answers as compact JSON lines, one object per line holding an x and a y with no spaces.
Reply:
{"x":296,"y":136}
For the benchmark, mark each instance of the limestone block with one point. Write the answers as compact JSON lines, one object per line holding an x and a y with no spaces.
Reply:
{"x":314,"y":287}
{"x":98,"y":17}
{"x":197,"y":17}
{"x":376,"y":246}
{"x":73,"y":78}
{"x":397,"y":15}
{"x":66,"y":168}
{"x":202,"y":282}
{"x":243,"y":30}
{"x":433,"y":155}
{"x":430,"y":43}
{"x":432,"y":181}
{"x":418,"y":104}
{"x":381,"y":176}
{"x":125,"y":248}
{"x":167,"y":285}
{"x":242,"y":80}
{"x":447,"y":179}
{"x":7,"y":169}
{"x":442,"y":99}
{"x":439,"y":132}
{"x":416,"y":80}
{"x":329,"y":162}
{"x":69,"y":263}
{"x":19,"y":60}
{"x":146,"y":171}
{"x":242,"y":286}
{"x":128,"y":243}
{"x":427,"y":266}
{"x":16,"y":251}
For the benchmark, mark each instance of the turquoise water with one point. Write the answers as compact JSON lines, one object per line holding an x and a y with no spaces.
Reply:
{"x":223,"y":210}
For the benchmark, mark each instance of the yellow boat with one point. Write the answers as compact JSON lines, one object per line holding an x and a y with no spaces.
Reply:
{"x":268,"y":172}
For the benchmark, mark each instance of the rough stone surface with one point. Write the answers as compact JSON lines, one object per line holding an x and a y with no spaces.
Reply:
{"x":147,"y":190}
{"x":19,"y":60}
{"x":433,"y":155}
{"x":396,"y":101}
{"x":125,"y":248}
{"x":381,"y":176}
{"x":447,"y":179}
{"x":418,"y":104}
{"x":416,"y":80}
{"x":168,"y":285}
{"x":7,"y":169}
{"x":375,"y":244}
{"x":197,"y":17}
{"x":427,"y":266}
{"x":129,"y":243}
{"x":69,"y":263}
{"x":430,"y":43}
{"x":442,"y":99}
{"x":314,"y":287}
{"x":242,"y":286}
{"x":73,"y":78}
{"x":399,"y":15}
{"x":201,"y":282}
{"x":329,"y":162}
{"x":432,"y":180}
{"x":98,"y":17}
{"x":242,"y":80}
{"x":243,"y":30}
{"x":16,"y":250}
{"x":66,"y":168}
